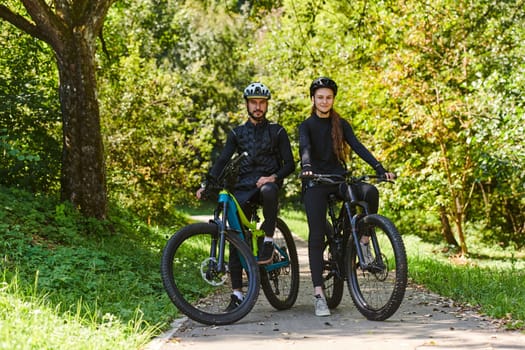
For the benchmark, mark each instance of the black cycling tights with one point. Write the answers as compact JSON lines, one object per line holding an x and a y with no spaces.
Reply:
{"x":316,"y":205}
{"x":267,"y":197}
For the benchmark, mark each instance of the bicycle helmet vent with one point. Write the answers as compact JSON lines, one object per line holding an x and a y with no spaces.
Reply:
{"x":323,"y":82}
{"x":257,"y":90}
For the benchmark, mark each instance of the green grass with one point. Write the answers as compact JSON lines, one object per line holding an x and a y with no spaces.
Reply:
{"x":69,"y":282}
{"x":29,"y":320}
{"x":493,"y":283}
{"x":296,"y":221}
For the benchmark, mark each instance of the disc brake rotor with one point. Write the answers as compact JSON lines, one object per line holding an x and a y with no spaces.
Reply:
{"x":210,"y":274}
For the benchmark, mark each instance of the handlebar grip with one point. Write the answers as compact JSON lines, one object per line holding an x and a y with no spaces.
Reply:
{"x":307,"y":176}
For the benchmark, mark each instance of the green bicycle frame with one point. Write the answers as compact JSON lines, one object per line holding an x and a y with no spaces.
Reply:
{"x":237,"y":219}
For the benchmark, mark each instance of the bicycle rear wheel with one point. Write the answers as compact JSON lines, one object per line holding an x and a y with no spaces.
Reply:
{"x":280,"y":278}
{"x":378,"y":289}
{"x":197,"y":285}
{"x":333,"y":278}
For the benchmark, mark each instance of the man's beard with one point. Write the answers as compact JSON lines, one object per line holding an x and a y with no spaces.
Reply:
{"x":255,"y":117}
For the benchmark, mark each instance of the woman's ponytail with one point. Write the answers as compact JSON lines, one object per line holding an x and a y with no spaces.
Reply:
{"x":340,"y":147}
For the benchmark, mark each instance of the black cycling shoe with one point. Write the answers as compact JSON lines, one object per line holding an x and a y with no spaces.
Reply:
{"x":234,"y":303}
{"x":265,"y":253}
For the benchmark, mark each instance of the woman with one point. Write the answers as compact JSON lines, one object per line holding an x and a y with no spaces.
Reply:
{"x":325,"y":140}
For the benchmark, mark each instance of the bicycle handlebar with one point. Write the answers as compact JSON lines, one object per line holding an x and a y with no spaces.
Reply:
{"x":338,"y":178}
{"x":225,"y":179}
{"x":237,"y":158}
{"x":231,"y":166}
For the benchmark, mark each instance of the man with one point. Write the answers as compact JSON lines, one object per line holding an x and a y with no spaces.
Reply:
{"x":261,"y":173}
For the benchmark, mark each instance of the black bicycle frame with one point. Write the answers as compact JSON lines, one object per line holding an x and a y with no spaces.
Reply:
{"x":349,"y":209}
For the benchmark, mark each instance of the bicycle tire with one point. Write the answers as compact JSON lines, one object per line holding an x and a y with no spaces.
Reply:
{"x":377,"y":292}
{"x":333,"y":278}
{"x":281,"y":285}
{"x":196,"y":293}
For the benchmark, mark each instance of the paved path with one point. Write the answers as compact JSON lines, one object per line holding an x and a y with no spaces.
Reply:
{"x":424,"y":321}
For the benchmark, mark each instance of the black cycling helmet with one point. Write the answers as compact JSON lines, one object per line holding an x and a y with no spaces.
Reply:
{"x":323,"y":82}
{"x":256,"y":90}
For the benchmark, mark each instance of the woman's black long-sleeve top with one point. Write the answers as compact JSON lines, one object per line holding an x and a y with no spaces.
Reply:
{"x":316,"y":150}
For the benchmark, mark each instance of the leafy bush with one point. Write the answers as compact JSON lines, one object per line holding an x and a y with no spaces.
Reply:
{"x":103,"y":267}
{"x":30,"y":142}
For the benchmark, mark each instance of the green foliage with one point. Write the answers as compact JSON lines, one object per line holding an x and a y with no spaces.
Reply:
{"x":85,"y":267}
{"x":29,"y":113}
{"x":168,"y":97}
{"x":433,"y":89}
{"x":430,"y":88}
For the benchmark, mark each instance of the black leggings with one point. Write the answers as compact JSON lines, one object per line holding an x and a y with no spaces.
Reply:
{"x":268,"y":198}
{"x":316,"y":205}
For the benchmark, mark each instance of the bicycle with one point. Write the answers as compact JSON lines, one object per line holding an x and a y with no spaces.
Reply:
{"x":194,"y":264}
{"x":377,"y":288}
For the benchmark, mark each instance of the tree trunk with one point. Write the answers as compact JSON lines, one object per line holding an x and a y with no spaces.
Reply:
{"x":70,"y":28}
{"x":446,"y":229}
{"x":458,"y":219}
{"x":456,"y":200}
{"x":83,"y":178}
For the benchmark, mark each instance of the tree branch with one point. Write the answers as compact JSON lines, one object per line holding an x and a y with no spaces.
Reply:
{"x":20,"y":22}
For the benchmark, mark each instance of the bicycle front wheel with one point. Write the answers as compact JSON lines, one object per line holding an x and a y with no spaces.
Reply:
{"x":196,"y":283}
{"x":280,"y":278}
{"x":378,"y":288}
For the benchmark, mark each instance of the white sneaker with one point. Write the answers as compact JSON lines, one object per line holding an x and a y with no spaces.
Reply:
{"x":367,"y":254}
{"x":321,"y":308}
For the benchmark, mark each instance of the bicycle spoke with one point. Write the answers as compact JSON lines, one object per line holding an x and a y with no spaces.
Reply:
{"x":280,"y":278}
{"x":333,"y":281}
{"x":212,"y":292}
{"x":378,"y":288}
{"x":376,"y":284}
{"x":198,"y":285}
